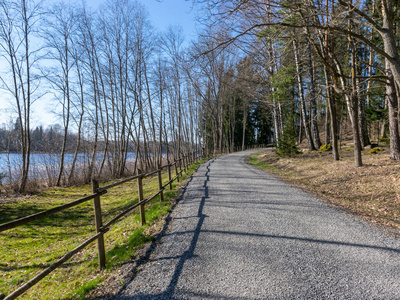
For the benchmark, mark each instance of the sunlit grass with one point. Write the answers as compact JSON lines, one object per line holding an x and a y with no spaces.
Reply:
{"x":254,"y":160}
{"x":27,"y":250}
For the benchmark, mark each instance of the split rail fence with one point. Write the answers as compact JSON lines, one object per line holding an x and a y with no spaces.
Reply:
{"x":178,"y":166}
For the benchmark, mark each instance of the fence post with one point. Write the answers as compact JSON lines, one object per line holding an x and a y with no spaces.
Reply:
{"x":169,"y":176}
{"x":180,"y":165}
{"x":176,"y":170}
{"x":140,"y":191}
{"x":98,"y":224}
{"x":160,"y":183}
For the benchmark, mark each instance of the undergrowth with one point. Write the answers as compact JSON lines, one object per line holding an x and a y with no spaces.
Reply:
{"x":27,"y":250}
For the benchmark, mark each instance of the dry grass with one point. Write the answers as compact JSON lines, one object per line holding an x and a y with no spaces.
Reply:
{"x":371,"y":191}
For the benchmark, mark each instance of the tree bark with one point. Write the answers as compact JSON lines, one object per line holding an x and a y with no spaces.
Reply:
{"x":327,"y":124}
{"x":393,"y":106}
{"x":354,"y":103}
{"x":314,"y":124}
{"x":362,"y":119}
{"x":333,"y":117}
{"x":389,"y":41}
{"x":306,"y":124}
{"x":245,"y":111}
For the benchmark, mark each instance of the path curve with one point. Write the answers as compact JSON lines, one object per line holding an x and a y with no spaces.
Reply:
{"x":239,"y":233}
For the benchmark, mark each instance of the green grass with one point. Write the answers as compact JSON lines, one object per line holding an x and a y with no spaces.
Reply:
{"x":254,"y":160}
{"x":27,"y":250}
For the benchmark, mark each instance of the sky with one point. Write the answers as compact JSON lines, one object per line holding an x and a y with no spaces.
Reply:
{"x":162,"y":13}
{"x":172,"y":12}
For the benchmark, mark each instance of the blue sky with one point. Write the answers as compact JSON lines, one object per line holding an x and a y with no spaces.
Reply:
{"x":172,"y":12}
{"x":162,"y":13}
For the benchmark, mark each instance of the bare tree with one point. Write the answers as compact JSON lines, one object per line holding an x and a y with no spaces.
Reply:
{"x":59,"y":26}
{"x":17,"y":23}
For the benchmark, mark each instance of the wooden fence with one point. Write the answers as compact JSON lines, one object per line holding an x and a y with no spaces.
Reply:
{"x":179,"y":166}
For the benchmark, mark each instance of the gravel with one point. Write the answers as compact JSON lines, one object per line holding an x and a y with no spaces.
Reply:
{"x":239,"y":233}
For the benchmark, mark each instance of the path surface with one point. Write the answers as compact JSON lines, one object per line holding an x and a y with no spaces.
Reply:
{"x":239,"y":233}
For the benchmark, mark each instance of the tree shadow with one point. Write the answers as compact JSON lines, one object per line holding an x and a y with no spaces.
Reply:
{"x":169,"y":292}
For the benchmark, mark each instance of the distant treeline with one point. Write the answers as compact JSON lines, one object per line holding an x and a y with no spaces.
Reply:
{"x":46,"y":140}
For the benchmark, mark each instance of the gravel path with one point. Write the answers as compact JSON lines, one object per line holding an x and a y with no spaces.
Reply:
{"x":239,"y":233}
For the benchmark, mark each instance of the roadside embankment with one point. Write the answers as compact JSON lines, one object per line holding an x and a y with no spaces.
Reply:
{"x":371,"y":192}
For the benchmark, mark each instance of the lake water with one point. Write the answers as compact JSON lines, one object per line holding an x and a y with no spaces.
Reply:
{"x":42,"y":164}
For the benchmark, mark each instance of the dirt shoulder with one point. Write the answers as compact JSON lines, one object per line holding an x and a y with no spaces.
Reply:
{"x":371,"y":192}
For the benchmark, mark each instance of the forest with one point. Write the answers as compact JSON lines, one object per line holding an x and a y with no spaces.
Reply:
{"x":260,"y":72}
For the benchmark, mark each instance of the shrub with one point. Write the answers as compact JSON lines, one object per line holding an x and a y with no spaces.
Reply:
{"x":324,"y":148}
{"x":287,"y":144}
{"x":375,"y":150}
{"x":384,"y":140}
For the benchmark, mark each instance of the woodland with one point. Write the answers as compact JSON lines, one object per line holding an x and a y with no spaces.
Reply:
{"x":260,"y":72}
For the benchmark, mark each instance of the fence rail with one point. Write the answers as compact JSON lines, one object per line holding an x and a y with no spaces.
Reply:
{"x":181,"y":163}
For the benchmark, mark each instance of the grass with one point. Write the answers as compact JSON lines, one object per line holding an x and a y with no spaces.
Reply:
{"x":371,"y":192}
{"x":27,"y":250}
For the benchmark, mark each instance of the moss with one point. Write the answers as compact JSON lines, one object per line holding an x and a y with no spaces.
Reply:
{"x":384,"y":140}
{"x":375,"y":150}
{"x":324,"y":148}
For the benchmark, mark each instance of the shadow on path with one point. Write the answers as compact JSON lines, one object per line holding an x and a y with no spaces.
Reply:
{"x":169,"y":292}
{"x":270,"y":236}
{"x":190,"y":252}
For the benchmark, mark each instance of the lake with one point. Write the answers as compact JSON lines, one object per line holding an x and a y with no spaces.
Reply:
{"x":42,"y":163}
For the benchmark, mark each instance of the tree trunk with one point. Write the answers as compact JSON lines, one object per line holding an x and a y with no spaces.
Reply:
{"x":300,"y":137}
{"x":244,"y":125}
{"x":306,"y":124}
{"x":314,"y":124}
{"x":354,"y":107}
{"x":66,"y":109}
{"x":26,"y":96}
{"x":362,"y":119}
{"x":393,"y":105}
{"x":333,"y":117}
{"x":355,"y":129}
{"x":276,"y":124}
{"x":389,"y":41}
{"x":382,"y":130}
{"x":81,"y":113}
{"x":327,"y":124}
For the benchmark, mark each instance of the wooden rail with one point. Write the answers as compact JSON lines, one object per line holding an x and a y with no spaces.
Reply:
{"x":182,"y":164}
